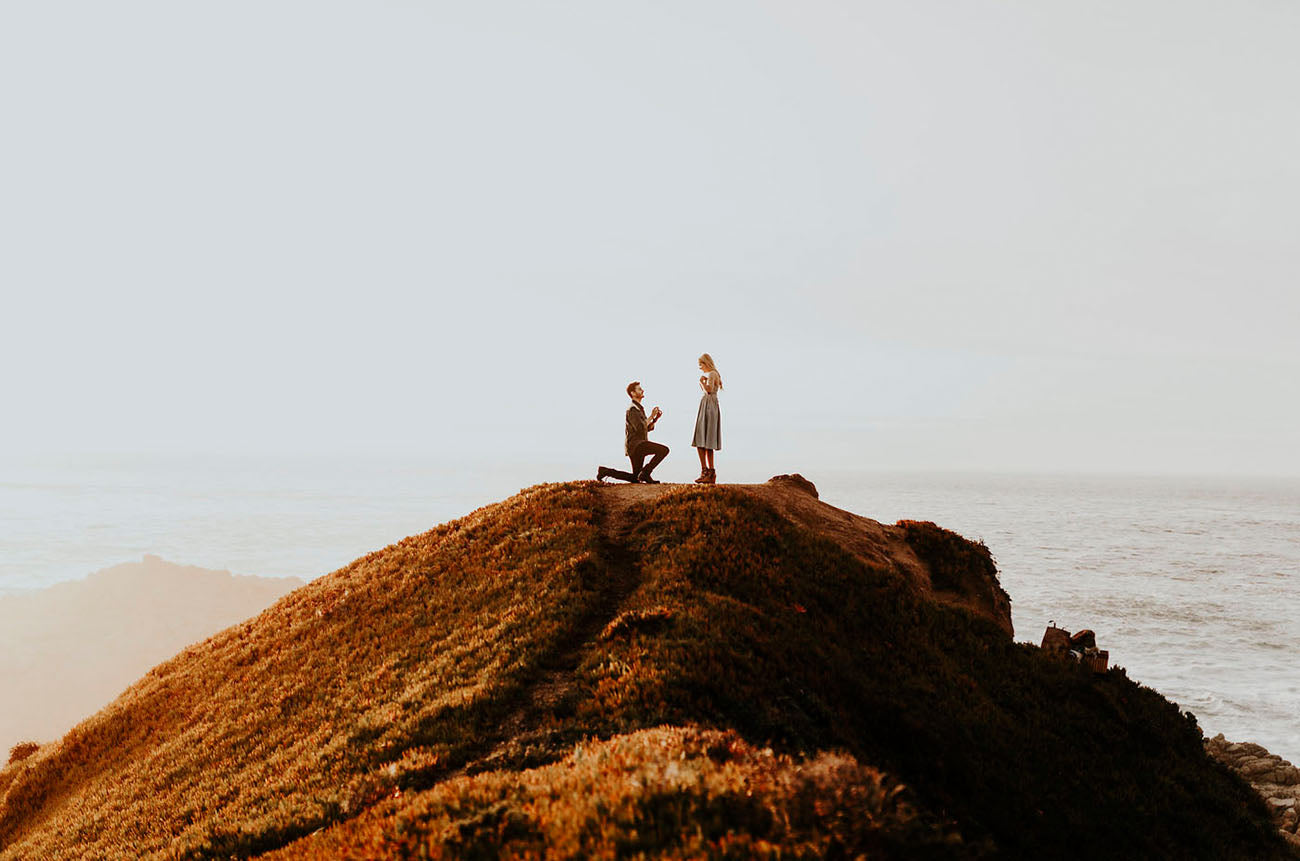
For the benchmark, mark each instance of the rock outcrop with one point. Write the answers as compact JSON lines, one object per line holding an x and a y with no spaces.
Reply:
{"x":797,"y":481}
{"x":1277,"y":780}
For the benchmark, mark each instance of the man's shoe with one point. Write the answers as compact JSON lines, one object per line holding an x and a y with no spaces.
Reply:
{"x":601,"y":473}
{"x":644,"y":478}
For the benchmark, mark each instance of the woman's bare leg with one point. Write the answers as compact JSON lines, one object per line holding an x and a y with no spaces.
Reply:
{"x":707,"y":453}
{"x":703,"y":463}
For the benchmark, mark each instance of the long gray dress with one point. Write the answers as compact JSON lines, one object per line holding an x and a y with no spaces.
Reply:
{"x":708,"y":424}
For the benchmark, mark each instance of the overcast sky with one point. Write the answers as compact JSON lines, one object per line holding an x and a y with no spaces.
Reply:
{"x":915,"y":235}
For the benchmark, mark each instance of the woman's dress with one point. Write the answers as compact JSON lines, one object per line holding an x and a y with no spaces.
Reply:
{"x":708,"y":424}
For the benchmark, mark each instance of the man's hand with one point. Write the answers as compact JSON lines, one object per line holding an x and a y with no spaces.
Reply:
{"x":655,"y":413}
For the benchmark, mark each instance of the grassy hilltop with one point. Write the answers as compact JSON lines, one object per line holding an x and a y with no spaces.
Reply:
{"x":608,"y":671}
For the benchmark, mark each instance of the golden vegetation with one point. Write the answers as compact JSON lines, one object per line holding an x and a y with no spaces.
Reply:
{"x":22,"y":750}
{"x":678,"y":793}
{"x":379,"y":672}
{"x":557,"y":673}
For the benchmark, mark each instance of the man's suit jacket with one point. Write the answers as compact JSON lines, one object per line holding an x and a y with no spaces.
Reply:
{"x":635,"y":429}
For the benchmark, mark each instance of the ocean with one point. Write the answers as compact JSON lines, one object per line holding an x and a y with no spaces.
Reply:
{"x":1189,"y":583}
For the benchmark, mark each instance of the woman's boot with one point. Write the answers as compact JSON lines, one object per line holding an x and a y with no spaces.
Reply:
{"x":710,"y":476}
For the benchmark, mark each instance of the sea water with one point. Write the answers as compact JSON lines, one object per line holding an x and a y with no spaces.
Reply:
{"x":1189,"y":583}
{"x":63,"y":518}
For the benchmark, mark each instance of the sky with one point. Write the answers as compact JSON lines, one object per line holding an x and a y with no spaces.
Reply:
{"x":1023,"y":236}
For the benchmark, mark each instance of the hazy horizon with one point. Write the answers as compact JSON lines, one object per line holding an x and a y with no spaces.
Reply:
{"x":69,"y":648}
{"x":745,"y":470}
{"x":916,"y":236}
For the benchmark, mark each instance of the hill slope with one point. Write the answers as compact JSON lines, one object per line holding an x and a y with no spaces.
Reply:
{"x":608,"y":670}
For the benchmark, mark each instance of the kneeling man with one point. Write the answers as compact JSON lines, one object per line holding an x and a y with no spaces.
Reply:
{"x":637,"y":446}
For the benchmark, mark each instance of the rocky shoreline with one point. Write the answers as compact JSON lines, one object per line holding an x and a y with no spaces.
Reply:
{"x":1277,"y":780}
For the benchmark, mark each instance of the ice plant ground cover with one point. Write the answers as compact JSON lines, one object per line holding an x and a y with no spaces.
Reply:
{"x":681,"y":792}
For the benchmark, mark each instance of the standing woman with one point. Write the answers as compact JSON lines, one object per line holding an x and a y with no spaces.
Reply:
{"x":708,"y":424}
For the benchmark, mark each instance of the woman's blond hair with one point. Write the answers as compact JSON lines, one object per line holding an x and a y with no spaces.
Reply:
{"x":710,"y":367}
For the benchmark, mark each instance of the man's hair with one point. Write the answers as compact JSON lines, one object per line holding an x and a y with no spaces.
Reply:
{"x":632,"y":385}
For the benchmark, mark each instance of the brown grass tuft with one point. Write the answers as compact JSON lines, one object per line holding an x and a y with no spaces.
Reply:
{"x":22,"y":750}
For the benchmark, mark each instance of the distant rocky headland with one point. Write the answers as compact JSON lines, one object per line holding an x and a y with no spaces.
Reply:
{"x":664,"y":671}
{"x":1275,"y":779}
{"x":69,"y":649}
